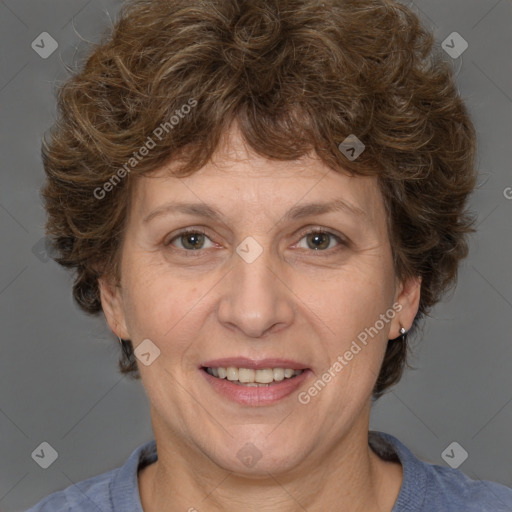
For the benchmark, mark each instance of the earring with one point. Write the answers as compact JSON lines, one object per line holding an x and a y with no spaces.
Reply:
{"x":120,"y":340}
{"x":402,"y":337}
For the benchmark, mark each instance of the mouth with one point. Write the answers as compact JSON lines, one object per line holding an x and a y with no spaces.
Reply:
{"x":254,"y":383}
{"x":250,"y":377}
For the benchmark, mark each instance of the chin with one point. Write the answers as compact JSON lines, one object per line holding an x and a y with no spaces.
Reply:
{"x":257,"y":456}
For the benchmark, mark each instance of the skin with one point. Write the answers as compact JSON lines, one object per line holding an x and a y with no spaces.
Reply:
{"x":292,"y":302}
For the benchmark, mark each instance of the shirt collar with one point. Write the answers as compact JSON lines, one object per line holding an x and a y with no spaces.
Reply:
{"x":125,"y":486}
{"x":414,"y":484}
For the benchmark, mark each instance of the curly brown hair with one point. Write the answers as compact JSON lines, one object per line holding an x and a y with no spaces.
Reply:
{"x":297,"y":76}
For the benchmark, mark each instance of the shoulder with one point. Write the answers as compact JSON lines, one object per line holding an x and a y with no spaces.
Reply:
{"x":427,"y":487}
{"x":88,"y":495}
{"x":450,"y":487}
{"x":111,"y":491}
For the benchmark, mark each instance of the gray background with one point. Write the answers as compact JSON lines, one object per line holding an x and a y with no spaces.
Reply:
{"x":58,"y":376}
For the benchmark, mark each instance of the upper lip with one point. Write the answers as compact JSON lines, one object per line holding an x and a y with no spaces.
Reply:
{"x":260,"y":364}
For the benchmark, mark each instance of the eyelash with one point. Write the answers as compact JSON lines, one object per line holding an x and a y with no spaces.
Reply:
{"x":197,"y":252}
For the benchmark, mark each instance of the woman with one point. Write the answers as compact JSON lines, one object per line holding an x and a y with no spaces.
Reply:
{"x":264,"y":198}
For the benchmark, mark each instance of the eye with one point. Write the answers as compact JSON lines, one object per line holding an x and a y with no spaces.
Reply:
{"x":320,"y":240}
{"x":194,"y":239}
{"x":190,"y":240}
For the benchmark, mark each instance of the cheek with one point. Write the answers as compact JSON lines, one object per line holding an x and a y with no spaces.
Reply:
{"x":348,"y":314}
{"x":354,"y":298}
{"x":158,"y":303}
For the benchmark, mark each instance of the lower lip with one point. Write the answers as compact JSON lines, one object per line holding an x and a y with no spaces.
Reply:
{"x":254,"y":396}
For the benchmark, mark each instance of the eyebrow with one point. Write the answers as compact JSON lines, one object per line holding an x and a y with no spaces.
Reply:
{"x":297,"y":212}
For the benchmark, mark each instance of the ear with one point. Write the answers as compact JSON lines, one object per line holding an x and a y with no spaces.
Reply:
{"x":408,"y":296}
{"x":113,"y":308}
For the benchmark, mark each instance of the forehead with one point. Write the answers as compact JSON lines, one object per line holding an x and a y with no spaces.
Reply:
{"x":237,"y":176}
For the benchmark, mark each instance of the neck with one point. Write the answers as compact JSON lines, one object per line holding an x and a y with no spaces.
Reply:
{"x":349,"y":473}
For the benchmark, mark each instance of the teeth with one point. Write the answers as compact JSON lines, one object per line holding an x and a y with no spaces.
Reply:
{"x":246,"y":375}
{"x":264,"y":376}
{"x":288,"y":373}
{"x":278,"y":374}
{"x":250,"y":377}
{"x":232,"y":373}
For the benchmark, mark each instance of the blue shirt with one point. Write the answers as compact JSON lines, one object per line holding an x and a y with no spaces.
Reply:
{"x":425,"y":487}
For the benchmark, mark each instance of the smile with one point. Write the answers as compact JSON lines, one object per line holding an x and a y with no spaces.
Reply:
{"x":253,"y":378}
{"x":255,"y":384}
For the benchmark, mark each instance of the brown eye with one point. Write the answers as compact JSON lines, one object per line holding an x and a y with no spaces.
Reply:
{"x":191,"y":240}
{"x":320,"y":240}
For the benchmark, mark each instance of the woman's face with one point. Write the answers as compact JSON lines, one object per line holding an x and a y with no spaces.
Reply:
{"x":252,"y":292}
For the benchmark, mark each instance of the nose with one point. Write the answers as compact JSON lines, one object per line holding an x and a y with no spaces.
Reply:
{"x":256,"y":298}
